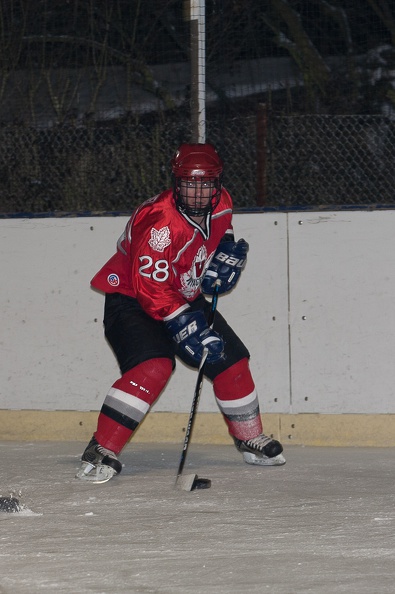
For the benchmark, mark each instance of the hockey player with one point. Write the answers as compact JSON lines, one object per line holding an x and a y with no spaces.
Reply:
{"x":174,"y":248}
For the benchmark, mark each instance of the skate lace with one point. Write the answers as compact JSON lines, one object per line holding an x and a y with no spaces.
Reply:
{"x":259,"y":442}
{"x":105,"y":452}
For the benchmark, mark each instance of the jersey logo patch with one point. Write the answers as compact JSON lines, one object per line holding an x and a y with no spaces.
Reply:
{"x":191,"y":280}
{"x":160,"y":239}
{"x":113,"y":280}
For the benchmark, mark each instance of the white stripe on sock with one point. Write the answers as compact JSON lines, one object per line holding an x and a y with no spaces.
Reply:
{"x":129,"y":400}
{"x":238,"y":402}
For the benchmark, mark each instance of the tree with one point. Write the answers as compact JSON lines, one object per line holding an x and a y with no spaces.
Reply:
{"x":386,"y":15}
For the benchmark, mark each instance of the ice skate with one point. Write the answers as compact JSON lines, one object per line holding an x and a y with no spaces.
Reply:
{"x":261,"y":450}
{"x":98,"y":464}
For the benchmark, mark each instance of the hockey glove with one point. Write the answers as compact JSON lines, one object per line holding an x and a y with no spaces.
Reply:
{"x":227,"y":264}
{"x":190,"y":331}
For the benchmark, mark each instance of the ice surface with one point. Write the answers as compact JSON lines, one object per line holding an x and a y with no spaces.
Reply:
{"x":323,"y":523}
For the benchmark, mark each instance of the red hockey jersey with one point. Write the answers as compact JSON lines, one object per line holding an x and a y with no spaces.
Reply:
{"x":163,"y":255}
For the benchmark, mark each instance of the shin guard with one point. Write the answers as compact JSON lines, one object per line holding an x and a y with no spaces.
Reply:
{"x":237,"y":399}
{"x":129,"y":400}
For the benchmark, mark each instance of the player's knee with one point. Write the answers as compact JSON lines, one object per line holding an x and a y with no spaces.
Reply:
{"x":154,"y":373}
{"x":148,"y":379}
{"x":236,"y":381}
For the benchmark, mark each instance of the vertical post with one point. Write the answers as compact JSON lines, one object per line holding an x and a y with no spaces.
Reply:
{"x":261,"y":160}
{"x":198,"y":70}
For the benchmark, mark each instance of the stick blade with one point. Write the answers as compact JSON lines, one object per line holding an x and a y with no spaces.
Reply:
{"x":190,"y":482}
{"x":185,"y":482}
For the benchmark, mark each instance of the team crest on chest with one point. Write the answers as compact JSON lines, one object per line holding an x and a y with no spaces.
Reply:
{"x":160,"y":239}
{"x":190,"y":280}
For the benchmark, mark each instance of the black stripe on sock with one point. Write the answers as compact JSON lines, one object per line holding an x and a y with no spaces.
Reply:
{"x":119,"y":417}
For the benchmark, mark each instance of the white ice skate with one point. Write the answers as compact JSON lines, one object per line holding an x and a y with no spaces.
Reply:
{"x":98,"y":464}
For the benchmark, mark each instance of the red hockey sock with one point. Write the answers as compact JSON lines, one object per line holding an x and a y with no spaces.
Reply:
{"x":237,"y":399}
{"x":129,"y":400}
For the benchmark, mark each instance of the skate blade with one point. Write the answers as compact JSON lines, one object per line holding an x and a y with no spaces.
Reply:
{"x":101,"y":473}
{"x":250,"y":458}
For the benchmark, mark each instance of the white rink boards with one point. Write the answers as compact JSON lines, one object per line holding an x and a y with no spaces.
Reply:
{"x":315,"y":307}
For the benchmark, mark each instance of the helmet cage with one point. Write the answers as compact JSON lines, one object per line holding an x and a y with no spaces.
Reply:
{"x":197,"y":169}
{"x":191,"y":195}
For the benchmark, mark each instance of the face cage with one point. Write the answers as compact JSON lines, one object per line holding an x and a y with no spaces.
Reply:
{"x":197,"y":210}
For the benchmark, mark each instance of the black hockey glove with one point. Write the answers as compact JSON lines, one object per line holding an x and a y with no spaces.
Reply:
{"x":227,"y":264}
{"x":191,"y":332}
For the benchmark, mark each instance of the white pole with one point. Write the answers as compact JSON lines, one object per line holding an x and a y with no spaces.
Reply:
{"x":198,"y":40}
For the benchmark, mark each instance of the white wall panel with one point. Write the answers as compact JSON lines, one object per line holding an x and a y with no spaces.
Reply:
{"x":53,"y":353}
{"x":342,"y":290}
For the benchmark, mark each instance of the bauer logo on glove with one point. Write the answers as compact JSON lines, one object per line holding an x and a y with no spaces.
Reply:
{"x":185,"y":332}
{"x":227,"y":265}
{"x":192,"y":334}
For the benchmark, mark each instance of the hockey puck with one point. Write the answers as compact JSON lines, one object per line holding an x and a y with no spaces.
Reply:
{"x":9,"y":504}
{"x":201,"y":483}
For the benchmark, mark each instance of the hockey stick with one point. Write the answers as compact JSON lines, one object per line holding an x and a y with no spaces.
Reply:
{"x":190,"y":482}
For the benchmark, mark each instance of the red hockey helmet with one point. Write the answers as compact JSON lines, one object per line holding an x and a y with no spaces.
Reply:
{"x":200,"y":166}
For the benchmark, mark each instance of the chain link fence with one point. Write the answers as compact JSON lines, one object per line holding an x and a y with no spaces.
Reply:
{"x":307,"y":162}
{"x":330,"y":161}
{"x":82,"y":169}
